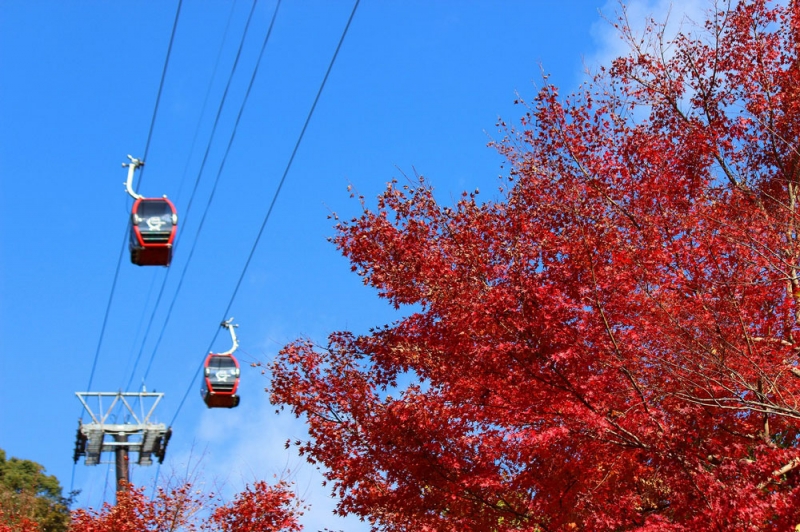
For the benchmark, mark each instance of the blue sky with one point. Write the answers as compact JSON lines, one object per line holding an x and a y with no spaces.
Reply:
{"x":418,"y":87}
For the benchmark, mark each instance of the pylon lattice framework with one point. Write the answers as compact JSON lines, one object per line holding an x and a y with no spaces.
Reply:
{"x":138,"y":434}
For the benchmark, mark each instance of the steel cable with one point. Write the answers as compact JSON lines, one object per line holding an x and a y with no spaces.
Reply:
{"x":188,"y":209}
{"x":125,"y":235}
{"x":274,"y":200}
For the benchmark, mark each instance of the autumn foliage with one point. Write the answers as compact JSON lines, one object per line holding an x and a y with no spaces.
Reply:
{"x":167,"y":511}
{"x":611,"y":343}
{"x":30,"y":499}
{"x":15,"y":523}
{"x":263,"y":508}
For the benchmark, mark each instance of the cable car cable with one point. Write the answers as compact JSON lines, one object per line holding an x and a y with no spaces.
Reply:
{"x":216,"y":180}
{"x":108,"y":311}
{"x":147,"y":331}
{"x":139,"y":326}
{"x":185,"y":170}
{"x":221,"y":168}
{"x":219,"y":109}
{"x":105,"y":484}
{"x":155,"y":481}
{"x":194,"y":191}
{"x":205,"y":100}
{"x":125,"y":235}
{"x":274,"y":199}
{"x":119,"y":261}
{"x":72,"y":479}
{"x":160,"y":90}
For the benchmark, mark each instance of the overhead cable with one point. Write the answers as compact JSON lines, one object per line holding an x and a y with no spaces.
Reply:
{"x":214,"y":187}
{"x":274,"y":198}
{"x":160,"y":90}
{"x":125,"y":236}
{"x":188,"y":210}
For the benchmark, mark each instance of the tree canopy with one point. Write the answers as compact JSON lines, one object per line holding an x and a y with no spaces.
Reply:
{"x":182,"y":507}
{"x":611,"y":343}
{"x":30,"y":500}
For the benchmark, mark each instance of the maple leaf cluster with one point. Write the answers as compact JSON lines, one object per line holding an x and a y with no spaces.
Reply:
{"x":612,"y":344}
{"x":262,"y":508}
{"x":16,"y":523}
{"x":168,"y":510}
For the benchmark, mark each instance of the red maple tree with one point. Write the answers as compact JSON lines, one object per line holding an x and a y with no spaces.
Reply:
{"x":264,"y":508}
{"x":14,"y":523}
{"x":169,"y":510}
{"x":610,"y":345}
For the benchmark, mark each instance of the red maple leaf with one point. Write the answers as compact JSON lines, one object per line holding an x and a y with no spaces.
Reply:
{"x":611,"y":345}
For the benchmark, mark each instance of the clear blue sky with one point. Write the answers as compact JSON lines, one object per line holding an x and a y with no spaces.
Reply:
{"x":417,"y":87}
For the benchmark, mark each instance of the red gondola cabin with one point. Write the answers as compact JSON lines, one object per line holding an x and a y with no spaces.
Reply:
{"x":220,"y":381}
{"x":154,"y":223}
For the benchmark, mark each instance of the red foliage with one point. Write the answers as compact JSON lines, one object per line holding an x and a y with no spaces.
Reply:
{"x":135,"y":512}
{"x":613,"y":344}
{"x":263,"y":508}
{"x":14,"y":523}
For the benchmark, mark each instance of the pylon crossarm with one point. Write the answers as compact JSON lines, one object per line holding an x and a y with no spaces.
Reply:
{"x":110,"y":407}
{"x":119,"y":397}
{"x":130,"y":410}
{"x":158,"y":397}
{"x":141,"y":409}
{"x":86,"y":406}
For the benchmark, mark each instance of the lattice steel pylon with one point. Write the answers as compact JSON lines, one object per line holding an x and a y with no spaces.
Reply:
{"x":137,"y":434}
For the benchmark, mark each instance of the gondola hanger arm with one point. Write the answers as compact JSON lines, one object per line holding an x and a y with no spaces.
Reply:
{"x":132,"y":166}
{"x":230,"y":326}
